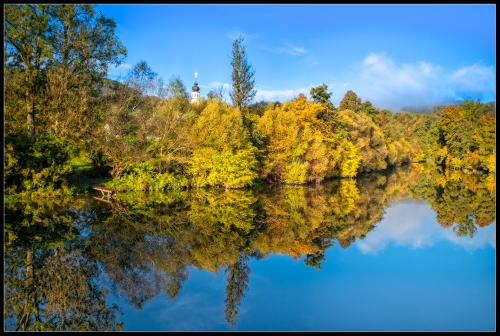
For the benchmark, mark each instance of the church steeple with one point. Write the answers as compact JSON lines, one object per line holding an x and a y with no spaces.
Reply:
{"x":195,"y":94}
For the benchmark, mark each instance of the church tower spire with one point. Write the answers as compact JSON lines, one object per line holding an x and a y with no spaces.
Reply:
{"x":195,"y":94}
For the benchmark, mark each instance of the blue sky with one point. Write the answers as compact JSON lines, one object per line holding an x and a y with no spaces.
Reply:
{"x":391,"y":55}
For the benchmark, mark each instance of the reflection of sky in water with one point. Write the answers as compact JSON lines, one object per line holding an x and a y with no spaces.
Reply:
{"x":407,"y":274}
{"x":414,"y":225}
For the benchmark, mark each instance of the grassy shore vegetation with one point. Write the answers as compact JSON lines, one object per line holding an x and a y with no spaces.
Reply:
{"x":68,"y":127}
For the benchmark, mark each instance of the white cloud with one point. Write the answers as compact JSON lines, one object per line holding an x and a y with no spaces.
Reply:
{"x":388,"y":84}
{"x":226,"y":89}
{"x":413,"y":224}
{"x":218,"y":84}
{"x":292,"y":50}
{"x":123,"y":66}
{"x":473,"y":80}
{"x":266,"y":95}
{"x":122,"y":69}
{"x":279,"y":95}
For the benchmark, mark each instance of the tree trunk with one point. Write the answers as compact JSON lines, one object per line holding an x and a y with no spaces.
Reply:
{"x":30,"y":108}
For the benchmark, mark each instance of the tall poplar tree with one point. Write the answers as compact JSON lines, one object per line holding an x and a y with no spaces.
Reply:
{"x":242,"y":77}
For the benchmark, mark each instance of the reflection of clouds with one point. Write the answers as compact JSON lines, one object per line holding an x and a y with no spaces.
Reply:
{"x":192,"y":312}
{"x":413,"y":224}
{"x":484,"y":236}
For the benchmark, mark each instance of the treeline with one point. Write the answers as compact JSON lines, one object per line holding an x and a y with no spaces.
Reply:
{"x":144,"y":132}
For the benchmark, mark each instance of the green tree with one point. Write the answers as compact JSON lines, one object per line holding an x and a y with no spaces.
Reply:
{"x":118,"y":135}
{"x":27,"y":51}
{"x":56,"y":50}
{"x":177,"y":88}
{"x":367,"y":108}
{"x":242,"y":76}
{"x":320,"y":95}
{"x":351,"y":101}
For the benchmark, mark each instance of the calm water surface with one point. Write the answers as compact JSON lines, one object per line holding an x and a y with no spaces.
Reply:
{"x":411,"y":250}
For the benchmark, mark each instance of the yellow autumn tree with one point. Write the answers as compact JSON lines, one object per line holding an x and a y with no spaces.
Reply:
{"x":399,"y":152}
{"x":366,"y":137}
{"x":299,"y":147}
{"x":279,"y":131}
{"x":223,"y":154}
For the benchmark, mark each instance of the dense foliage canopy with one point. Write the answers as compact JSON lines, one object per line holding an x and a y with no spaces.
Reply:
{"x":144,"y":134}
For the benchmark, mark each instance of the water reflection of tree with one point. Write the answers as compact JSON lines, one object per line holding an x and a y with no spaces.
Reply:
{"x":461,"y":200}
{"x":367,"y":209}
{"x":138,"y":256}
{"x":294,"y":223}
{"x":49,"y":284}
{"x":237,"y":283}
{"x":144,"y":244}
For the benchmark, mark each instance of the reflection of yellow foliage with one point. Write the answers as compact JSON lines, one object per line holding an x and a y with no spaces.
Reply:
{"x":465,"y":198}
{"x":209,"y":228}
{"x":455,"y":175}
{"x":220,"y":221}
{"x":299,"y":248}
{"x":456,"y":162}
{"x":441,"y":180}
{"x":419,"y":167}
{"x":295,"y":217}
{"x":349,"y":193}
{"x":443,"y":221}
{"x":419,"y":156}
{"x":397,"y":184}
{"x":229,"y":208}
